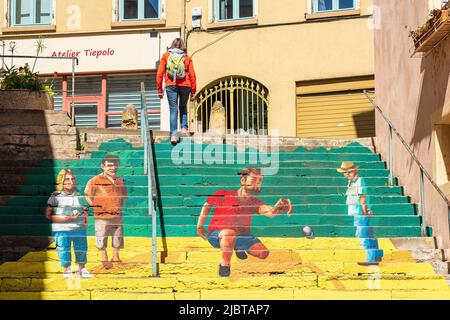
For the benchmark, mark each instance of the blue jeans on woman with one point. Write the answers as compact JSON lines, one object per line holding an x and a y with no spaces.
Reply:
{"x":178,"y":98}
{"x":64,"y":239}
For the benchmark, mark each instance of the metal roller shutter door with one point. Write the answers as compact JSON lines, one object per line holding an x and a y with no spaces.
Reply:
{"x":126,"y":89}
{"x":335,"y":114}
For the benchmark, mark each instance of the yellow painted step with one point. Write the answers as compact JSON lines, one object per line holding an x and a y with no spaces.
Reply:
{"x":176,"y":243}
{"x":150,"y":285}
{"x":233,"y":294}
{"x":202,"y":255}
{"x":274,"y":264}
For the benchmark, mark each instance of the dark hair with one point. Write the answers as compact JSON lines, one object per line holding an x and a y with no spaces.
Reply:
{"x":178,"y":43}
{"x":247,"y":170}
{"x":111,"y":158}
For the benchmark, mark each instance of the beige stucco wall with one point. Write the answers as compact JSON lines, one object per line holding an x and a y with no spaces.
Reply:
{"x":278,"y":56}
{"x":415,"y":95}
{"x":98,"y":17}
{"x":92,"y":18}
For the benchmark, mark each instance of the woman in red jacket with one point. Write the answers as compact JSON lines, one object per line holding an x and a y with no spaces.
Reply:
{"x":178,"y":70}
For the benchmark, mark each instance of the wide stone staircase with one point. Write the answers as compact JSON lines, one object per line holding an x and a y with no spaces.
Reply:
{"x":330,"y":265}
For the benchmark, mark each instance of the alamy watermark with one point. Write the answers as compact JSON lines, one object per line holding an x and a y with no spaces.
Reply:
{"x":241,"y":148}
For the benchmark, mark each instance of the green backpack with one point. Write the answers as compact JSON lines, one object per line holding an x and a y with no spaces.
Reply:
{"x":175,"y":66}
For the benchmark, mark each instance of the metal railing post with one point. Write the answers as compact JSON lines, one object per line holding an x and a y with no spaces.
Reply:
{"x":154,"y":241}
{"x":422,"y":203}
{"x":151,"y":181}
{"x":72,"y":110}
{"x":391,"y":160}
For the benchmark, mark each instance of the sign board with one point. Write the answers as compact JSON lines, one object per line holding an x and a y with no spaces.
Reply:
{"x":99,"y":53}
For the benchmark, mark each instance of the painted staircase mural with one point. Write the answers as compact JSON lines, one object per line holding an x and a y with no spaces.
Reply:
{"x":326,"y":226}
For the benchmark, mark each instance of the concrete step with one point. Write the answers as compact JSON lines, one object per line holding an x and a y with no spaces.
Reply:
{"x":233,"y":294}
{"x":41,"y":118}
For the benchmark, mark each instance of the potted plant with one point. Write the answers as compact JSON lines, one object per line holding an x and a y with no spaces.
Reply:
{"x":429,"y":29}
{"x":21,"y":87}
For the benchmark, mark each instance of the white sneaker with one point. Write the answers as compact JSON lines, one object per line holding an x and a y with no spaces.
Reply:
{"x":84,"y":273}
{"x":68,"y":273}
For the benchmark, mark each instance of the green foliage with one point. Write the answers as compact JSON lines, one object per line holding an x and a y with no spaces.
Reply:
{"x":24,"y":77}
{"x":21,"y":78}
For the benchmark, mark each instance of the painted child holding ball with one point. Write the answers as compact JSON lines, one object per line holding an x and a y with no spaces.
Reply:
{"x":68,"y":213}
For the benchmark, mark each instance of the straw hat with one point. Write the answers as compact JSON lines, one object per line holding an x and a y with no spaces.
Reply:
{"x":347,"y":166}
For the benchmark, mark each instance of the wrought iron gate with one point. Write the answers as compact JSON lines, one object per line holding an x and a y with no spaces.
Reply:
{"x":245,"y":101}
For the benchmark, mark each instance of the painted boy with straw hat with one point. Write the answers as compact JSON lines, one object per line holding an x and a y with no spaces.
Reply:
{"x":356,"y":190}
{"x":357,"y":207}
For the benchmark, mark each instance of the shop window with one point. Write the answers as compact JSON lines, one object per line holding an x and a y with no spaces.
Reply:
{"x":139,"y":9}
{"x":31,"y":12}
{"x":333,"y":5}
{"x":226,"y":10}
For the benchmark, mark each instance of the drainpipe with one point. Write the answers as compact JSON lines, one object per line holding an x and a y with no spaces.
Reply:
{"x":183,"y":21}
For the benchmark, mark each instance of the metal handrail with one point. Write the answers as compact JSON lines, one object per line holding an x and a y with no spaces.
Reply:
{"x":423,"y":171}
{"x":149,"y":170}
{"x":74,"y":60}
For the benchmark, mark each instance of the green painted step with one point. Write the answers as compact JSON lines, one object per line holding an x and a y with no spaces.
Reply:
{"x":383,"y":209}
{"x":340,"y":220}
{"x":46,"y":190}
{"x":335,"y":209}
{"x":190,"y":157}
{"x":182,"y":154}
{"x":144,"y":230}
{"x":279,"y":190}
{"x":214,"y":180}
{"x":136,"y":201}
{"x":324,"y":172}
{"x":220,"y":181}
{"x":54,"y":165}
{"x":212,"y":171}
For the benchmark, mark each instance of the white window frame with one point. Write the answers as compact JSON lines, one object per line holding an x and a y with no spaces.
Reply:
{"x":120,"y":11}
{"x":436,"y":4}
{"x":213,"y":12}
{"x":313,"y":6}
{"x":9,"y":20}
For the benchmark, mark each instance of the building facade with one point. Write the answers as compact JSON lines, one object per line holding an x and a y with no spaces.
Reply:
{"x":414,"y":93}
{"x":295,"y":66}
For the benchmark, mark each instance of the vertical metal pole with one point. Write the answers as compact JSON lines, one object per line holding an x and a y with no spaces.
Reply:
{"x":73,"y":93}
{"x":422,"y":203}
{"x":391,"y":162}
{"x":232,"y":110}
{"x":154,"y":239}
{"x":144,"y":133}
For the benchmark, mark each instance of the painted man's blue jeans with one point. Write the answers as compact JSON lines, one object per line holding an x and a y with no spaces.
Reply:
{"x":366,"y":236}
{"x":64,"y":240}
{"x":178,"y":98}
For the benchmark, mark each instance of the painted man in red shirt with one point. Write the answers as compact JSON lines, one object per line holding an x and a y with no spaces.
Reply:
{"x":229,"y":228}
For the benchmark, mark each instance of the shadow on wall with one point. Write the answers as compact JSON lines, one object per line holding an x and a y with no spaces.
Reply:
{"x":435,"y":68}
{"x":24,"y":145}
{"x":364,"y":124}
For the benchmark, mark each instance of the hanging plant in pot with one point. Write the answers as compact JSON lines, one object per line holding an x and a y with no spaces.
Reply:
{"x":436,"y":19}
